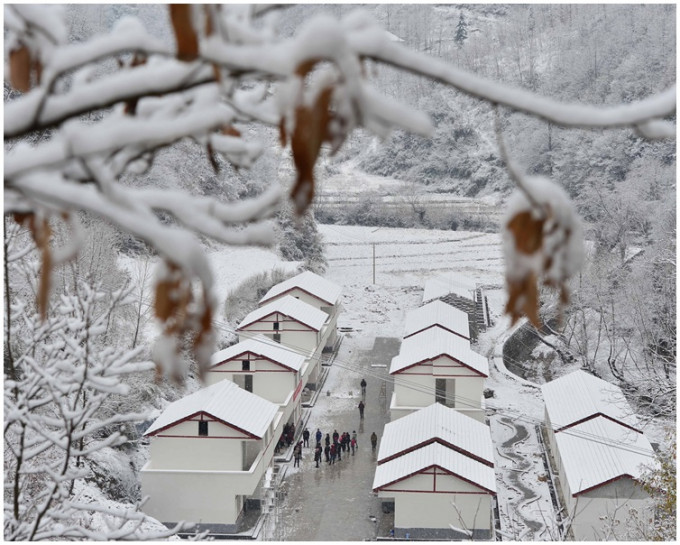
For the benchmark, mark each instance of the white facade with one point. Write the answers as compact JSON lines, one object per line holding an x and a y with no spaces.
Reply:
{"x":209,"y":451}
{"x":438,"y":366}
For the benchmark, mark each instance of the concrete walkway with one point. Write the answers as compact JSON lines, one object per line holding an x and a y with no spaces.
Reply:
{"x":336,"y":502}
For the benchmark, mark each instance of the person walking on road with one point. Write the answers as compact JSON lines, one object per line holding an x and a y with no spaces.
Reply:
{"x":335,"y":436}
{"x":353,"y":444}
{"x":319,"y":435}
{"x":317,"y":454}
{"x":297,"y":454}
{"x":327,"y":452}
{"x":363,"y":386}
{"x":374,"y":440}
{"x":361,"y":409}
{"x":328,"y":440}
{"x":338,"y":451}
{"x":333,"y":453}
{"x":305,"y":437}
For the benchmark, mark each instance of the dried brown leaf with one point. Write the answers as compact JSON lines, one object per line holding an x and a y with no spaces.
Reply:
{"x":213,"y":160}
{"x":527,"y":231}
{"x":523,"y":299}
{"x":185,"y":34}
{"x":282,"y":132}
{"x":20,"y":68}
{"x":229,"y":130}
{"x":311,"y":130}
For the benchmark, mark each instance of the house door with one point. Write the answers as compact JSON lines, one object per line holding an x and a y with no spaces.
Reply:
{"x":249,"y":383}
{"x":440,"y":391}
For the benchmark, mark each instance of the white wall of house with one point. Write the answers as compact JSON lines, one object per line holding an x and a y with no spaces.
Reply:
{"x":615,"y":501}
{"x":414,"y":388}
{"x":293,"y":334}
{"x":414,"y":507}
{"x":195,"y":496}
{"x":270,"y":381}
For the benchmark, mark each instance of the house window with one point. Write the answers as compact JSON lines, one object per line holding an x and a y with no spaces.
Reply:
{"x":277,"y":337}
{"x":203,"y":429}
{"x":249,"y":383}
{"x":276,"y":326}
{"x":445,"y":392}
{"x":245,"y":365}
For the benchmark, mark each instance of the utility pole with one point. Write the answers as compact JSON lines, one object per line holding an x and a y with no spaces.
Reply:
{"x":374,"y":262}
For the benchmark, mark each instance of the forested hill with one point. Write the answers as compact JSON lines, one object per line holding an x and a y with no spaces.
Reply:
{"x":598,"y":54}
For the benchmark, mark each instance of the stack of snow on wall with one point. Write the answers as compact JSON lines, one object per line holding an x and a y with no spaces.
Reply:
{"x":211,"y":449}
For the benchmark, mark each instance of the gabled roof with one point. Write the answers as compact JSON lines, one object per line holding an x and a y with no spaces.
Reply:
{"x":453,"y":283}
{"x":435,"y":342}
{"x":225,"y":402}
{"x":435,"y":455}
{"x":260,"y":346}
{"x":579,"y":396}
{"x":315,"y":285}
{"x":599,"y":451}
{"x":437,"y":313}
{"x":293,"y":308}
{"x":437,"y":422}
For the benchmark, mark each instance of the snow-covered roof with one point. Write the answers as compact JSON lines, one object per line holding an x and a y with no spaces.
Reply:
{"x":260,"y":346}
{"x":293,"y":308}
{"x":578,"y":396}
{"x":446,"y":284}
{"x":435,"y":455}
{"x":224,"y":401}
{"x":463,"y":433}
{"x":435,"y":342}
{"x":437,"y":313}
{"x":315,"y":285}
{"x":599,"y":450}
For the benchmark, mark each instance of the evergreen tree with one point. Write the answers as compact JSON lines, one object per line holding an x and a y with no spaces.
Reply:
{"x":299,"y":240}
{"x":461,"y":31}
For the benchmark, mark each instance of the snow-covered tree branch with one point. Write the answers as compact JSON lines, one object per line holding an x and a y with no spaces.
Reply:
{"x":88,"y":127}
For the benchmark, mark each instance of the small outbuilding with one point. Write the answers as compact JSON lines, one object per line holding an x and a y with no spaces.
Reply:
{"x":314,"y":290}
{"x":599,"y":455}
{"x":209,"y":451}
{"x":437,"y":314}
{"x":438,"y":366}
{"x":436,"y":465}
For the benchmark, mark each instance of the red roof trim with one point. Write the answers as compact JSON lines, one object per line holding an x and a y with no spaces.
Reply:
{"x":188,"y":418}
{"x":422,"y":470}
{"x":440,"y":326}
{"x":441,"y":442}
{"x":587,"y":418}
{"x":443,"y":354}
{"x":273,"y":298}
{"x":257,"y":357}
{"x":240,"y":328}
{"x":613,"y":479}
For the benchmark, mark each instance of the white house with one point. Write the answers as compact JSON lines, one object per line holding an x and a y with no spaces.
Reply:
{"x":438,"y":366}
{"x":209,"y":451}
{"x":437,"y":314}
{"x":265,"y":368}
{"x":437,"y":466}
{"x":463,"y":293}
{"x":599,"y":455}
{"x":313,"y":290}
{"x":297,"y":325}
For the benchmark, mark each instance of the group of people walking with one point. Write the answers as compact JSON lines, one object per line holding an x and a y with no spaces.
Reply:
{"x":334,"y":444}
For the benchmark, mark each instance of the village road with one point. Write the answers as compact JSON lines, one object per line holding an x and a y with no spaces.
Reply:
{"x":336,"y":502}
